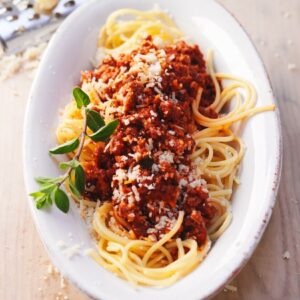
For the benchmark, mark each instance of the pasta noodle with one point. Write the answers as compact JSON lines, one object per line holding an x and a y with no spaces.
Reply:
{"x":144,"y":261}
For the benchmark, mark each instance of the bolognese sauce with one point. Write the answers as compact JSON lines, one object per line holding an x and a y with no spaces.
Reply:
{"x":145,"y":170}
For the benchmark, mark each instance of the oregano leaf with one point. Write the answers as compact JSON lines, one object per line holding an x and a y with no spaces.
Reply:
{"x":105,"y":132}
{"x":40,"y":202}
{"x":79,"y":179}
{"x":73,"y":188}
{"x":66,"y":147}
{"x":72,"y":163}
{"x":36,"y":195}
{"x":81,"y":98}
{"x":61,"y":200}
{"x":94,"y":120}
{"x":44,"y":180}
{"x":48,"y":188}
{"x":48,"y":199}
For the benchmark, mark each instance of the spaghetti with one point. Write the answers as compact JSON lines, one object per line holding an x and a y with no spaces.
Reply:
{"x":160,"y":189}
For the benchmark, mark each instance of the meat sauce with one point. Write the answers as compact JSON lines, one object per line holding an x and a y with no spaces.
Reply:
{"x":144,"y":170}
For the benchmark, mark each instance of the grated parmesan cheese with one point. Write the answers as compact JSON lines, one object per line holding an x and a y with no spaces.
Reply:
{"x":155,"y":69}
{"x":172,"y":57}
{"x":88,"y":251}
{"x":182,"y":183}
{"x":72,"y":251}
{"x":150,"y":230}
{"x":158,"y":42}
{"x":155,"y":168}
{"x":130,"y":199}
{"x":134,"y":173}
{"x":162,"y":222}
{"x":124,"y":158}
{"x":61,"y":244}
{"x":89,"y":215}
{"x":150,"y":85}
{"x":136,"y":193}
{"x":183,"y":168}
{"x":158,"y":91}
{"x":167,"y":156}
{"x":153,"y":114}
{"x":116,"y":194}
{"x":197,"y":183}
{"x":120,"y":175}
{"x":150,"y":186}
{"x":162,"y":53}
{"x":142,"y":77}
{"x":150,"y":58}
{"x":149,"y":146}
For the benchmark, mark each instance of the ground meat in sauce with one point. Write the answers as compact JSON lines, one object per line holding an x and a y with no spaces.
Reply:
{"x":145,"y":170}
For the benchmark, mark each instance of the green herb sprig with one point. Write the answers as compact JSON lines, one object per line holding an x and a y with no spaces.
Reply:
{"x":50,"y":188}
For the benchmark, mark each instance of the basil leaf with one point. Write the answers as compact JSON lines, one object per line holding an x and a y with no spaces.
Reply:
{"x":66,"y":147}
{"x":43,"y":180}
{"x":73,"y":189}
{"x":61,"y":200}
{"x":103,"y":133}
{"x":94,"y":120}
{"x":79,"y":179}
{"x":81,"y":98}
{"x":40,"y":202}
{"x":72,"y":163}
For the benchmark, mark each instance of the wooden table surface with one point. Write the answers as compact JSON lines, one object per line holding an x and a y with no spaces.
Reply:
{"x":24,"y":265}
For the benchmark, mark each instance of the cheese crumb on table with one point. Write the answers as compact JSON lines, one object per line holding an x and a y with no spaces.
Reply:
{"x":286,"y":255}
{"x":291,"y":67}
{"x":15,"y":63}
{"x":50,"y":269}
{"x":230,"y":288}
{"x":72,"y":251}
{"x":61,"y":244}
{"x":286,"y":15}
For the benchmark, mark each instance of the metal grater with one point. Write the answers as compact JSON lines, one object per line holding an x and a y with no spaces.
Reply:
{"x":21,"y":26}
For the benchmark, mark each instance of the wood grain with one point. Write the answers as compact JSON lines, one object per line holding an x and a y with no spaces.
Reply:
{"x":273,"y":25}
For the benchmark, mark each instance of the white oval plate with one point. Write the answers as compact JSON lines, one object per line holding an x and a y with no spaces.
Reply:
{"x":69,"y":52}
